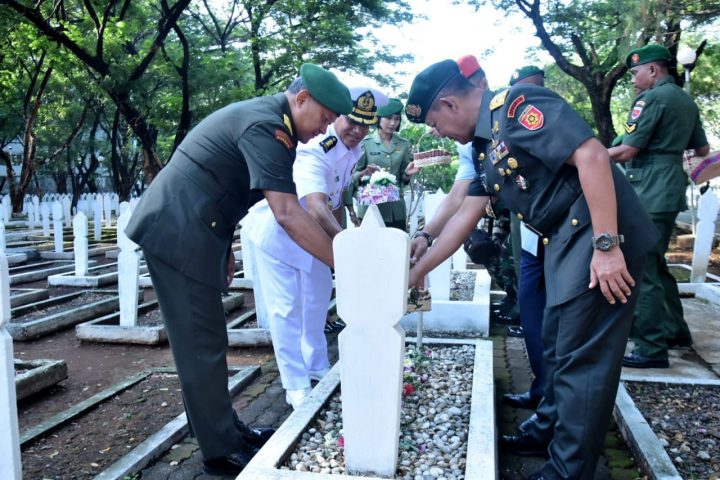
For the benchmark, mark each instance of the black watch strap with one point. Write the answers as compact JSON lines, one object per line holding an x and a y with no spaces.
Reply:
{"x":426,"y":235}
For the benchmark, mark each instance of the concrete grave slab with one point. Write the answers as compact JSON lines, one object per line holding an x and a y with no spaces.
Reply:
{"x":39,"y":271}
{"x":23,"y":296}
{"x":38,"y":375}
{"x":57,"y":321}
{"x":92,"y":252}
{"x":481,"y":446}
{"x":94,"y":279}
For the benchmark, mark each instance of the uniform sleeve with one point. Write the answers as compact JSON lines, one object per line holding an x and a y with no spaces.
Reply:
{"x":542,"y":124}
{"x":269,"y":153}
{"x":642,"y":121}
{"x":698,"y":138}
{"x":407,"y":158}
{"x":361,"y":165}
{"x":311,"y":171}
{"x":466,"y":169}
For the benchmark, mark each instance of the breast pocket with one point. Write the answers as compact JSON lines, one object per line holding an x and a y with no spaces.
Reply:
{"x":577,"y":219}
{"x":634,"y":175}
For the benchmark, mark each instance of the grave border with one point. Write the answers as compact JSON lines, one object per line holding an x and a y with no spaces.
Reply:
{"x":44,"y":373}
{"x":483,"y":464}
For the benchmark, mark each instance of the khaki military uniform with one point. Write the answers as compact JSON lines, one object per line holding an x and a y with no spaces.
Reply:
{"x":663,"y":123}
{"x":185,"y":222}
{"x":394,"y":158}
{"x":523,"y":138}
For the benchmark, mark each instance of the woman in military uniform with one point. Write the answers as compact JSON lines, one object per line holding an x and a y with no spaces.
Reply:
{"x":386,"y":150}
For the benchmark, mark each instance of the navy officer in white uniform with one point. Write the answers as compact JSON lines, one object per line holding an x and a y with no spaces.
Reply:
{"x":297,"y":285}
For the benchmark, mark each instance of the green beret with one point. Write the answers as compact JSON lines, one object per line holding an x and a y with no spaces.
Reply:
{"x":394,"y":107}
{"x":325,"y":87}
{"x":646,"y":54}
{"x":524,"y":72}
{"x":426,"y":86}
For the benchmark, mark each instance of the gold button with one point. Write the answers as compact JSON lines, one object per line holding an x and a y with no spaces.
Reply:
{"x":519,"y":216}
{"x":481,"y":156}
{"x":512,"y":163}
{"x":501,"y":172}
{"x":546,"y":241}
{"x":497,"y":187}
{"x":213,"y":224}
{"x":574,"y":222}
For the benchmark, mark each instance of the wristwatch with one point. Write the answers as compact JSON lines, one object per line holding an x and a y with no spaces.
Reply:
{"x":606,"y":241}
{"x":427,"y":236}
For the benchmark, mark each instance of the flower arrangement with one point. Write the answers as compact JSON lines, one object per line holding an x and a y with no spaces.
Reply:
{"x":381,"y":187}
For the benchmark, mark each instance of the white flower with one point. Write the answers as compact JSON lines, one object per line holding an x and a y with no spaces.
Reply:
{"x":383,"y":177}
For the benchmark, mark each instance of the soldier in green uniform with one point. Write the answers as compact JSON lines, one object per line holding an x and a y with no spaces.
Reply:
{"x":386,"y":150}
{"x":534,"y":152}
{"x":184,"y":223}
{"x":663,"y":123}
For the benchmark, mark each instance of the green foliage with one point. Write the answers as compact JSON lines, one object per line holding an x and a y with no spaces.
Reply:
{"x":431,"y":179}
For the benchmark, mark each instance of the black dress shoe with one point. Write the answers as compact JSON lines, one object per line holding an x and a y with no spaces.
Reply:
{"x":523,"y":445}
{"x":521,"y":400}
{"x":513,"y":331}
{"x":254,"y":437}
{"x":523,"y":428}
{"x":230,"y":465}
{"x":679,"y":342}
{"x":635,"y":360}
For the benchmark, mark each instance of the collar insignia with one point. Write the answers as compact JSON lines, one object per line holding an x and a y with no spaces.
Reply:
{"x":498,"y":100}
{"x":328,"y":143}
{"x":288,"y":123}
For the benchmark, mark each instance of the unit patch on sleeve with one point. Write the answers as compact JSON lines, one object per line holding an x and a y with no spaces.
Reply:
{"x":637,"y":109}
{"x":328,"y":143}
{"x":514,"y":106}
{"x":284,"y":138}
{"x":531,"y":118}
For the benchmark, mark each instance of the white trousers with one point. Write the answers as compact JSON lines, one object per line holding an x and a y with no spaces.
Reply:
{"x":296,"y":304}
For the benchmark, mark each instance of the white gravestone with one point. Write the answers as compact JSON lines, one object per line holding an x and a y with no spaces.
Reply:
{"x":97,"y":219}
{"x":2,"y":236}
{"x":128,"y":273}
{"x":704,"y":233}
{"x":80,"y":244}
{"x":36,"y":208}
{"x":439,"y":277}
{"x":7,"y":208}
{"x":371,"y":299}
{"x":45,"y":214}
{"x":57,"y":213}
{"x":124,"y":206}
{"x":67,"y":211}
{"x":10,"y":466}
{"x":107,"y":207}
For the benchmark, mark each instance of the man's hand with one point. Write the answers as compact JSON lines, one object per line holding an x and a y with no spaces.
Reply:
{"x":608,"y":270}
{"x":353,"y":217}
{"x":415,"y":280}
{"x":418,"y":247}
{"x":411,"y":169}
{"x":231,"y":267}
{"x":369,"y":170}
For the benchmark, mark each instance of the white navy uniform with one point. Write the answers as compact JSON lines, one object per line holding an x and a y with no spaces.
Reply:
{"x":297,"y":285}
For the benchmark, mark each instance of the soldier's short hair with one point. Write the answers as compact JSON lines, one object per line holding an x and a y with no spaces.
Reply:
{"x":297,"y":85}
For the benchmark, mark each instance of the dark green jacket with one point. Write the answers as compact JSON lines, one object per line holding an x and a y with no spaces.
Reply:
{"x":663,"y":123}
{"x":393,"y":158}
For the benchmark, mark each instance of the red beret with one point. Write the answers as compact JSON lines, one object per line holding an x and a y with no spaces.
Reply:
{"x":468,"y":65}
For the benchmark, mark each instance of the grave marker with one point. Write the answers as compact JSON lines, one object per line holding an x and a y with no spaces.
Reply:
{"x":67,"y":210}
{"x":57,"y":213}
{"x":107,"y":207}
{"x":704,"y":234}
{"x":371,"y":299}
{"x":7,"y":208}
{"x":2,"y":236}
{"x":10,"y":465}
{"x":128,"y":273}
{"x":439,"y":277}
{"x":97,"y":218}
{"x":36,"y":210}
{"x":80,"y":244}
{"x":45,"y":214}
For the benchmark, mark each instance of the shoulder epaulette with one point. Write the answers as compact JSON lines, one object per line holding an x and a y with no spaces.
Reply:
{"x":328,"y":143}
{"x":498,"y":100}
{"x":288,"y":123}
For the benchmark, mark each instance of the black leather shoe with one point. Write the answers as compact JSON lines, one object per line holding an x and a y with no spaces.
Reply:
{"x":679,"y":342}
{"x":254,"y":437}
{"x":523,"y":428}
{"x":230,"y":465}
{"x":523,"y":445}
{"x":521,"y":400}
{"x":513,"y":331}
{"x":635,"y":360}
{"x":506,"y":319}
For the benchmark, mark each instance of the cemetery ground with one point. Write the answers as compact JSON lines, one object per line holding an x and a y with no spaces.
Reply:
{"x":685,"y":418}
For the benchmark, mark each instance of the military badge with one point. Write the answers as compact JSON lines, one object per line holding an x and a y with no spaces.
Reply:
{"x":514,"y":105}
{"x":521,"y":182}
{"x":328,"y":143}
{"x":284,"y":138}
{"x":413,"y":110}
{"x":496,"y":127}
{"x":637,"y":110}
{"x":635,"y":58}
{"x":512,"y":163}
{"x":630,"y":127}
{"x":532,"y":118}
{"x":501,"y":172}
{"x":498,"y":100}
{"x":288,"y":123}
{"x":499,"y":152}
